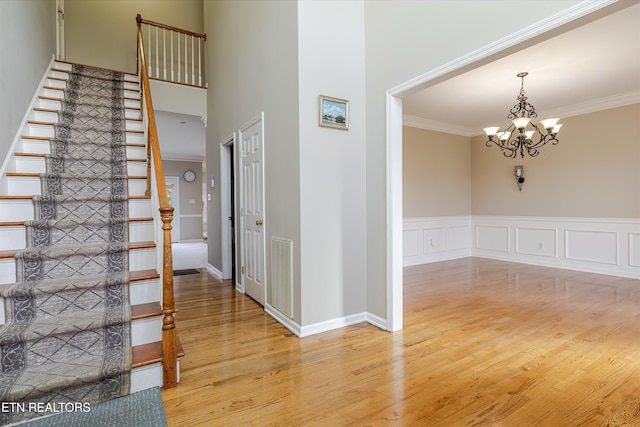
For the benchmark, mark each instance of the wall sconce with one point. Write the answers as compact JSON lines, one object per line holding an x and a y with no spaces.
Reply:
{"x":518,"y":171}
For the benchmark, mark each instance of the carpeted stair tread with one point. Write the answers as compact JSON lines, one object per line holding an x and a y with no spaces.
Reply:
{"x":75,"y":198}
{"x":76,"y":323}
{"x":76,"y":231}
{"x":66,"y":284}
{"x":91,"y":133}
{"x":73,"y":206}
{"x":56,"y":184}
{"x":69,"y":378}
{"x":59,"y":164}
{"x":73,"y":250}
{"x":66,"y":261}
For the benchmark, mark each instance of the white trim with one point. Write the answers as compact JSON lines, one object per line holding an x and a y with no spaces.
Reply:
{"x":226,"y":145}
{"x":377,"y":321}
{"x":421,"y":123}
{"x":394,"y":214}
{"x":25,"y":118}
{"x":596,"y":245}
{"x":592,"y":106}
{"x":499,"y":48}
{"x":613,"y":101}
{"x":327,"y":325}
{"x":474,"y":59}
{"x":286,"y":321}
{"x":211,"y":269}
{"x":190,"y":215}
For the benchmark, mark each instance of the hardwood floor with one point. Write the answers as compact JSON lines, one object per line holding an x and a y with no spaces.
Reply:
{"x":485,"y":343}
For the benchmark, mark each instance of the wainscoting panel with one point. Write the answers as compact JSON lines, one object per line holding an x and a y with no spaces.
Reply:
{"x":634,"y":249}
{"x":592,"y":246}
{"x":536,"y":241}
{"x":434,"y":239}
{"x":597,"y":245}
{"x":492,"y":238}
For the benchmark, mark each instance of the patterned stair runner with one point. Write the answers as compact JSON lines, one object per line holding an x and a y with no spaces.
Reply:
{"x":67,"y":336}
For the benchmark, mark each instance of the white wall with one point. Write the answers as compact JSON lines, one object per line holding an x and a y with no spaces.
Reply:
{"x":332,"y":162}
{"x":27,"y":43}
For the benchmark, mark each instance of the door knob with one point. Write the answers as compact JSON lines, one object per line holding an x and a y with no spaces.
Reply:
{"x":259,"y":222}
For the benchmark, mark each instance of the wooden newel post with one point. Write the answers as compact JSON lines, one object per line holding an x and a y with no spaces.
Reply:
{"x":169,"y":348}
{"x":147,"y":192}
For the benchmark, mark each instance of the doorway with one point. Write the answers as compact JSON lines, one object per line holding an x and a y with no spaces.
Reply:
{"x":228,"y":217}
{"x":533,"y":34}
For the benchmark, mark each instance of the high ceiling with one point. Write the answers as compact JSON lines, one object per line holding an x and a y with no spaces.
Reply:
{"x":595,"y":65}
{"x":585,"y":69}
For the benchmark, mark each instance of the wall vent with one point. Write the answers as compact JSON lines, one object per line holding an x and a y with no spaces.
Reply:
{"x":282,"y":275}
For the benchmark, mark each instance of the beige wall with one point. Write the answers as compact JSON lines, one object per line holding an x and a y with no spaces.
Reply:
{"x":594,"y":171}
{"x":436,"y":174}
{"x":190,"y":227}
{"x":252,"y":46}
{"x":103,"y":32}
{"x":27,"y":43}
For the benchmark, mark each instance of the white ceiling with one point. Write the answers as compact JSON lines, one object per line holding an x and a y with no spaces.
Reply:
{"x":573,"y":73}
{"x":181,"y":136}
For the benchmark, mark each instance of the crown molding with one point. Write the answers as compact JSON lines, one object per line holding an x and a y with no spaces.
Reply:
{"x":500,"y":47}
{"x":593,"y":106}
{"x":419,"y":122}
{"x":613,"y":101}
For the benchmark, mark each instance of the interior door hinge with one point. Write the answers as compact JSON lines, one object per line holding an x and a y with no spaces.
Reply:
{"x":242,"y":270}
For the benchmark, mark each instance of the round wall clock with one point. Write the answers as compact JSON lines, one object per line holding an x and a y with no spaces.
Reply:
{"x":189,"y":176}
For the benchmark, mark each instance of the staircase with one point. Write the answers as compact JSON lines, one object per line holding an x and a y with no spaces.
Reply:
{"x":21,"y":181}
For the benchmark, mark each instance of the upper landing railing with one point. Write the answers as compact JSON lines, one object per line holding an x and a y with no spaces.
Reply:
{"x":173,"y":54}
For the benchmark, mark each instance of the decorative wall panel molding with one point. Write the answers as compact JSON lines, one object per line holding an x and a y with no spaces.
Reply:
{"x":597,"y":245}
{"x":434,"y":239}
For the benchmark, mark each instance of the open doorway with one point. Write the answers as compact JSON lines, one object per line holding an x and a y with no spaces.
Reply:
{"x":228,"y":217}
{"x":502,"y":48}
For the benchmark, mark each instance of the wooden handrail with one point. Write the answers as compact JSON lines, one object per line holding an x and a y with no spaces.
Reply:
{"x":169,"y":338}
{"x":169,"y":27}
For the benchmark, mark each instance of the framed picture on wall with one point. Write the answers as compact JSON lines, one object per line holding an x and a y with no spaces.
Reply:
{"x":333,"y":112}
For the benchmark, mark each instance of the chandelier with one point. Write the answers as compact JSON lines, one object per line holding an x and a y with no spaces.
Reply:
{"x":523,"y":138}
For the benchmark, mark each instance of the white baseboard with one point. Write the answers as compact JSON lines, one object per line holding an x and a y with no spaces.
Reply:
{"x":211,"y":269}
{"x":327,"y":325}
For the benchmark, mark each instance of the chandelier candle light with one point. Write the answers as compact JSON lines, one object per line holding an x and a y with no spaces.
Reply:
{"x":521,"y":115}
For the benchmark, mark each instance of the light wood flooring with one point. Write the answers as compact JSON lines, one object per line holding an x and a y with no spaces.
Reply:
{"x":485,"y":343}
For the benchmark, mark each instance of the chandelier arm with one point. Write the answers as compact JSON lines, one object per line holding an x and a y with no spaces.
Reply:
{"x":519,"y":142}
{"x":506,"y":150}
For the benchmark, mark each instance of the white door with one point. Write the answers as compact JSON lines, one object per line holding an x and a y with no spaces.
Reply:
{"x":173,"y":195}
{"x":252,"y":210}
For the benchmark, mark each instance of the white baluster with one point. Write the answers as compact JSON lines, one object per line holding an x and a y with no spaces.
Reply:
{"x":178,"y":57}
{"x":149,"y":38}
{"x":157,"y":56}
{"x":193,"y":62}
{"x":172,"y":55}
{"x":186,"y":65}
{"x":199,"y":64}
{"x":164,"y":55}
